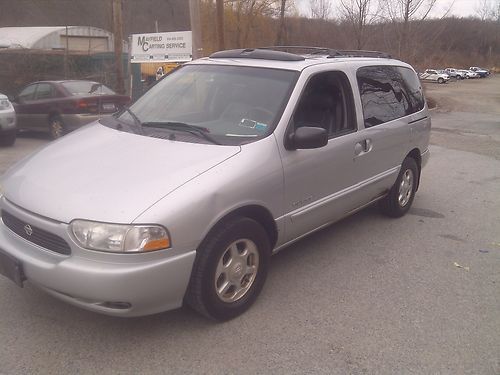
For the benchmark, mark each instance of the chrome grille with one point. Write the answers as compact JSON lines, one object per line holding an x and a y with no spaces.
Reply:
{"x":35,"y":235}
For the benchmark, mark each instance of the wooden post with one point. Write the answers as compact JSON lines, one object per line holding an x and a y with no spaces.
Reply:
{"x":220,"y":25}
{"x":194,"y":15}
{"x":66,"y":55}
{"x":118,"y":39}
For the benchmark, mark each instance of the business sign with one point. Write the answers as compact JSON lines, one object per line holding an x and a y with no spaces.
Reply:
{"x":162,"y":47}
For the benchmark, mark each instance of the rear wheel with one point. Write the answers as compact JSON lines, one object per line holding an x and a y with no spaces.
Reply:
{"x":400,"y":197}
{"x":56,"y":127}
{"x":230,"y":269}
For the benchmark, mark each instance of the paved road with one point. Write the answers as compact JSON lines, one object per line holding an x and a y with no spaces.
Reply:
{"x":369,"y":295}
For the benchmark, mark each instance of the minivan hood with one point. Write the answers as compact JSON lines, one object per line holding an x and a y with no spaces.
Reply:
{"x":101,"y":174}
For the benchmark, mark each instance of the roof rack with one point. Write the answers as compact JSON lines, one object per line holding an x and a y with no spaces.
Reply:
{"x":330,"y":52}
{"x":282,"y":53}
{"x":363,"y":53}
{"x":311,"y":50}
{"x":257,"y":53}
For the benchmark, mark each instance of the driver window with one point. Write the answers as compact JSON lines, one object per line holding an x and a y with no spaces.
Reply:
{"x":326,"y":103}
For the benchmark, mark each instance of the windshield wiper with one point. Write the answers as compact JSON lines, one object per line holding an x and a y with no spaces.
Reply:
{"x":193,"y":129}
{"x":137,"y":122}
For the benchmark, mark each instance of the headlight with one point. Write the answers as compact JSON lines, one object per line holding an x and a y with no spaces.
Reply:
{"x":4,"y":104}
{"x":119,"y":238}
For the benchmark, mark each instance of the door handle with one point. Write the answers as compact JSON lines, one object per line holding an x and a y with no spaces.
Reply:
{"x":363,"y":147}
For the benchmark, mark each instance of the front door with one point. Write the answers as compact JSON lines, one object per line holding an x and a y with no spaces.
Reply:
{"x":318,"y":182}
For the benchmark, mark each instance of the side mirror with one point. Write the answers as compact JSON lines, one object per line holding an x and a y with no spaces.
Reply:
{"x":307,"y":138}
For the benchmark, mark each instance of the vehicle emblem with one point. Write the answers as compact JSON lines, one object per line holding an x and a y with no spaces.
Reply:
{"x":28,"y":229}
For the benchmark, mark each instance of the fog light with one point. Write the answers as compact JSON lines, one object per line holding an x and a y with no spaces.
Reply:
{"x":115,"y":305}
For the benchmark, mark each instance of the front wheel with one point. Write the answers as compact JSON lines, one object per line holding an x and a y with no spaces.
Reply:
{"x":230,"y":269}
{"x":400,"y":197}
{"x":440,"y":80}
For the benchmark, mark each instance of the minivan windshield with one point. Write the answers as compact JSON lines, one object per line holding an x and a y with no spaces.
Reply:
{"x":230,"y":104}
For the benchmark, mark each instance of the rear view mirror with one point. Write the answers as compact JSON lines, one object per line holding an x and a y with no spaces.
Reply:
{"x":307,"y":137}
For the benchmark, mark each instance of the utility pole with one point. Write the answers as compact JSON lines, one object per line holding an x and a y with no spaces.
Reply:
{"x":66,"y":55}
{"x":220,"y":25}
{"x":118,"y":39}
{"x":194,"y":15}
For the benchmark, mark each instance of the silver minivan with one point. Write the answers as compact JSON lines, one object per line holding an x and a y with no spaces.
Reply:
{"x":183,"y":197}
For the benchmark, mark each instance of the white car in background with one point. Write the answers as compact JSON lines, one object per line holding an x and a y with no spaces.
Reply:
{"x":8,"y":127}
{"x":469,"y":73}
{"x":457,"y":73}
{"x":480,"y":71}
{"x":435,"y":76}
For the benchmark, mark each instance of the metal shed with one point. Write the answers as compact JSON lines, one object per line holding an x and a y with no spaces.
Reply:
{"x":77,"y":39}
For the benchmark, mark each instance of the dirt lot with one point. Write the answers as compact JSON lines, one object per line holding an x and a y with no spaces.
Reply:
{"x":471,"y":95}
{"x":467,"y":116}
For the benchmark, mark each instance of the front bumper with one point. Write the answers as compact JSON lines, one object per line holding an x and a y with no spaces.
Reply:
{"x":114,"y":284}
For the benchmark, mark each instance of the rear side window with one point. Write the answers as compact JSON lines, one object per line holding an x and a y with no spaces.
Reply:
{"x":388,"y":93}
{"x":44,"y":91}
{"x":412,"y":89}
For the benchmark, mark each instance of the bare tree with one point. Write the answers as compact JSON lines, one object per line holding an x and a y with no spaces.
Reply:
{"x":488,"y":9}
{"x":358,"y":14}
{"x":246,"y":12}
{"x":404,"y":12}
{"x":280,"y":39}
{"x":321,"y":9}
{"x":483,"y":9}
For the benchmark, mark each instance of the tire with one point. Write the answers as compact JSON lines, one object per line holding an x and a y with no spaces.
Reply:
{"x":56,"y":127}
{"x":400,"y":197}
{"x":440,"y":80}
{"x":7,"y":138}
{"x":230,"y":269}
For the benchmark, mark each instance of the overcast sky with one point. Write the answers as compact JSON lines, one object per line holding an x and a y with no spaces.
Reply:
{"x":461,"y":8}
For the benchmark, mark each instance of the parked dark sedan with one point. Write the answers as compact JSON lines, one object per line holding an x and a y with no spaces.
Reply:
{"x":62,"y":106}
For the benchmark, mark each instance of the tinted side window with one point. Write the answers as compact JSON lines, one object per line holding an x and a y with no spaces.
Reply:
{"x":44,"y":91}
{"x":382,"y":94}
{"x":28,"y":93}
{"x":412,"y":89}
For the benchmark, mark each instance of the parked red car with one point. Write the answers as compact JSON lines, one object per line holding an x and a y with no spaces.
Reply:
{"x":62,"y":106}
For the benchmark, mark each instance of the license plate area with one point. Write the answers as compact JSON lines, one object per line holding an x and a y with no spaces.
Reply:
{"x":11,"y":268}
{"x":109,"y":107}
